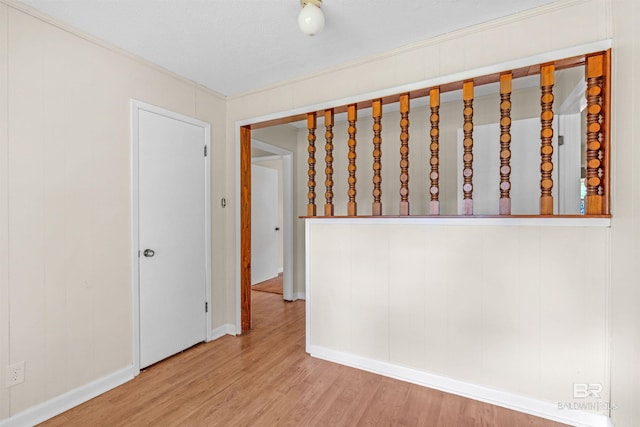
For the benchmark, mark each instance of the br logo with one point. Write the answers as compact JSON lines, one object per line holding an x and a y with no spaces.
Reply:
{"x":585,"y":390}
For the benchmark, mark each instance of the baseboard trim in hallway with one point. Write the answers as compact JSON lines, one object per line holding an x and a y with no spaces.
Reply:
{"x":68,"y":400}
{"x":527,"y":405}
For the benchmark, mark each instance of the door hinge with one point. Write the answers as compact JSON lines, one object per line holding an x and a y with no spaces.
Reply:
{"x":206,"y":307}
{"x":205,"y":151}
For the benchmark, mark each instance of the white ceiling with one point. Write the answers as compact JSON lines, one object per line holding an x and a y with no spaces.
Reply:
{"x":235,"y":46}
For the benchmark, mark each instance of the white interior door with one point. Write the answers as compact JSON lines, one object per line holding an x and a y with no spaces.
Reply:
{"x":264,"y":223}
{"x":172,"y":235}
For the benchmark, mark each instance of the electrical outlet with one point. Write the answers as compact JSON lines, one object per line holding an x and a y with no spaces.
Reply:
{"x":15,"y":374}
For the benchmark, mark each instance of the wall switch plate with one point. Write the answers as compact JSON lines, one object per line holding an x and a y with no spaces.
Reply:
{"x":15,"y":374}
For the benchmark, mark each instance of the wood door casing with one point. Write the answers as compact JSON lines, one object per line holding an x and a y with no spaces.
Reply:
{"x":245,"y":228}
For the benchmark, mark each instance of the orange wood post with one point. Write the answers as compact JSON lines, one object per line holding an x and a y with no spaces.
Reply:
{"x":505,"y":144}
{"x":328,"y":135}
{"x":467,"y":171}
{"x":376,"y":207}
{"x":594,"y":202}
{"x":404,"y":154}
{"x":434,"y":176}
{"x":547,"y":78}
{"x":352,"y":117}
{"x":311,"y":126}
{"x":245,"y":228}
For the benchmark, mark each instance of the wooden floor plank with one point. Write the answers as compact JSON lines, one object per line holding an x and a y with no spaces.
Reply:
{"x":265,"y":378}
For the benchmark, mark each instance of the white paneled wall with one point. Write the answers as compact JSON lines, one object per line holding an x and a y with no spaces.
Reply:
{"x":511,"y":308}
{"x":65,"y":208}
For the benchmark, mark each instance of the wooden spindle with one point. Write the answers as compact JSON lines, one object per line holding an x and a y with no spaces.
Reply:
{"x":434,"y":190}
{"x":376,"y":208}
{"x":404,"y":154}
{"x":467,"y":171}
{"x":328,"y":135}
{"x":505,"y":144}
{"x":546,"y":139}
{"x":311,"y":126}
{"x":594,"y":202}
{"x":352,"y":116}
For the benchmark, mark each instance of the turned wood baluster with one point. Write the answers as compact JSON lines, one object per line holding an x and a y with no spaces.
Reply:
{"x":546,"y":139}
{"x":434,"y":190}
{"x":311,"y":126}
{"x":505,"y":144}
{"x":328,"y":124}
{"x":595,"y":78}
{"x":467,"y":171}
{"x":376,"y":208}
{"x":404,"y":154}
{"x":352,"y":116}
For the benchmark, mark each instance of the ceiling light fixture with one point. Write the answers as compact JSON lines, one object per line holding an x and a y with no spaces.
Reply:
{"x":311,"y":18}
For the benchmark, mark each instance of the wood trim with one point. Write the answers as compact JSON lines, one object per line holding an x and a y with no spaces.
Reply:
{"x":352,"y":117}
{"x":547,"y":79}
{"x":461,"y":217}
{"x":594,"y":74}
{"x":376,"y":113}
{"x":328,"y":171}
{"x":404,"y":154}
{"x":504,"y":207}
{"x":312,"y":124}
{"x":467,"y":142}
{"x":245,"y":228}
{"x":434,"y":147}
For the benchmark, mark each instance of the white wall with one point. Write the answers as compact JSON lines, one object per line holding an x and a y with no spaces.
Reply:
{"x":625,"y":236}
{"x":506,"y":307}
{"x":65,"y":210}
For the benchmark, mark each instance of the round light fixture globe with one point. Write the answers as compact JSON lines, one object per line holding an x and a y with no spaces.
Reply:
{"x":311,"y":18}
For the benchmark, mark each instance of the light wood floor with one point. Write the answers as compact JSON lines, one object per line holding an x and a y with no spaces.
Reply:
{"x":272,"y":285}
{"x":265,"y":378}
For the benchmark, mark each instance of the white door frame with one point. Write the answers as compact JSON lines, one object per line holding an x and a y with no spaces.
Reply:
{"x":287,"y":216}
{"x":137,"y":106}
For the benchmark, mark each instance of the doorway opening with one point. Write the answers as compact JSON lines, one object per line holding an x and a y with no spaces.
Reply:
{"x":244,"y":231}
{"x":285,"y":159}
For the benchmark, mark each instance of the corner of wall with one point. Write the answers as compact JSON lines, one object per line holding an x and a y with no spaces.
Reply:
{"x":625,"y":230}
{"x":4,"y":238}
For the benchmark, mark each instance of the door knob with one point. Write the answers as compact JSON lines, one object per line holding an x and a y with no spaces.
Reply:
{"x":148,"y":253}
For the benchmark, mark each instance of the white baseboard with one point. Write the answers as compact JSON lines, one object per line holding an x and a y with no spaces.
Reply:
{"x":299,"y":295}
{"x":68,"y":400}
{"x":220,"y":331}
{"x":508,"y":400}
